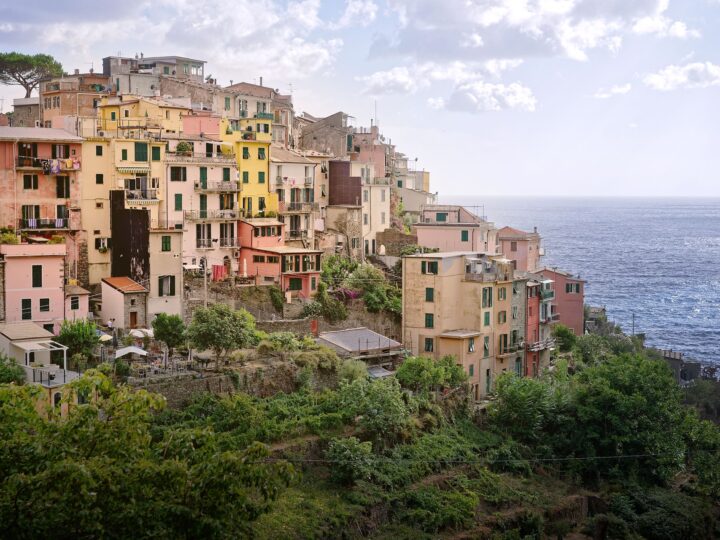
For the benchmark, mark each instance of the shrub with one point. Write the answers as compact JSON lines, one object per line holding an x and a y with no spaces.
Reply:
{"x":10,"y":371}
{"x":8,"y":238}
{"x":351,"y":460}
{"x":122,"y":368}
{"x":564,"y":337}
{"x":183,"y":148}
{"x":353,"y":370}
{"x":276,"y":298}
{"x":432,"y":509}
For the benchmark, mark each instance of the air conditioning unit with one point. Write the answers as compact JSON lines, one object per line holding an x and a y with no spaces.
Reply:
{"x":101,"y":133}
{"x":236,"y":254}
{"x":37,"y":123}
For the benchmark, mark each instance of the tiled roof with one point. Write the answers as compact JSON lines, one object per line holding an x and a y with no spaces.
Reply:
{"x":24,"y":330}
{"x":124,"y":284}
{"x":37,"y":134}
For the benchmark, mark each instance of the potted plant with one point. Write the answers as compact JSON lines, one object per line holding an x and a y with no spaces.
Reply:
{"x":183,"y":148}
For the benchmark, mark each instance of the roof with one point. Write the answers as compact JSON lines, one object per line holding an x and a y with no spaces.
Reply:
{"x":37,"y":134}
{"x":460,"y":334}
{"x":510,"y":232}
{"x":251,"y":89}
{"x":125,"y":285}
{"x":262,"y":222}
{"x":24,"y":330}
{"x":166,"y":59}
{"x":74,"y":290}
{"x":20,"y":102}
{"x":445,"y":255}
{"x":130,"y":350}
{"x":360,"y":339}
{"x":287,"y":250}
{"x":278,"y":154}
{"x":567,"y":275}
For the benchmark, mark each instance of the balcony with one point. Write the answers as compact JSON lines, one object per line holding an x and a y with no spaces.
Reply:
{"x":44,"y":224}
{"x":308,"y":181}
{"x":278,"y":180}
{"x":243,"y":113}
{"x":137,"y":122}
{"x":510,"y":350}
{"x":547,"y":294}
{"x":50,"y":375}
{"x":201,"y":157}
{"x":51,"y":165}
{"x":537,"y":346}
{"x":218,"y":187}
{"x":141,"y":196}
{"x":264,"y":116}
{"x":296,"y":235}
{"x":201,"y":215}
{"x":204,"y":243}
{"x":165,"y":225}
{"x":230,"y":242}
{"x":297,"y":207}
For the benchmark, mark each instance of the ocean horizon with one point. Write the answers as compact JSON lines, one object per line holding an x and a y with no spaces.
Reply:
{"x":654,"y":258}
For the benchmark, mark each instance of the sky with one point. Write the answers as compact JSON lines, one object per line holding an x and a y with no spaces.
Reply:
{"x":493,"y":97}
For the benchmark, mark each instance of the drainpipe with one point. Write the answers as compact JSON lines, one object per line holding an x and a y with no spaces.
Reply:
{"x":15,"y":158}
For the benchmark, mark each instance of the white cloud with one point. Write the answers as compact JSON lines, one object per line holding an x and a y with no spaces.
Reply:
{"x":398,"y":80}
{"x":361,"y":12}
{"x":480,"y":96}
{"x":616,"y":90}
{"x":693,"y":75}
{"x":664,"y":27}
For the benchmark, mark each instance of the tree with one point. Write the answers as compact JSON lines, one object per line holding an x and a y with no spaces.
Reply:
{"x":423,"y":374}
{"x":349,"y":228}
{"x":221,"y":329}
{"x":353,"y":370}
{"x":351,"y":459}
{"x":10,"y":372}
{"x":564,"y":336}
{"x":27,"y":70}
{"x":80,"y":337}
{"x":169,"y":329}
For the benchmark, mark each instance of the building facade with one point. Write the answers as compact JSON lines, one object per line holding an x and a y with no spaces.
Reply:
{"x":454,"y":228}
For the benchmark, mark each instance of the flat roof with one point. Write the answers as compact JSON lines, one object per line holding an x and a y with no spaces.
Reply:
{"x":37,"y":134}
{"x":24,"y":330}
{"x":445,"y":255}
{"x":124,"y":284}
{"x":358,"y":339}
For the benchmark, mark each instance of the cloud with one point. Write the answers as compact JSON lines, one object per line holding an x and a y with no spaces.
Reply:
{"x":362,"y":12}
{"x":693,"y":75}
{"x":398,"y":80}
{"x":616,"y":90}
{"x":664,"y":27}
{"x":481,"y":96}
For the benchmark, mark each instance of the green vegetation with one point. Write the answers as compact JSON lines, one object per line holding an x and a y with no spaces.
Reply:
{"x":80,"y":337}
{"x":377,"y":292}
{"x":10,"y":372}
{"x":8,"y":238}
{"x":324,"y":305}
{"x":169,"y":329}
{"x":27,"y":70}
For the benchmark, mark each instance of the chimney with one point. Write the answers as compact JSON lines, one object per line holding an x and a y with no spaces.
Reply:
{"x":260,"y":81}
{"x":535,"y":230}
{"x":77,"y":71}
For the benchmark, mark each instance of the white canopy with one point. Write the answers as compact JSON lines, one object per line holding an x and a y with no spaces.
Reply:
{"x":142,"y":332}
{"x":130,"y":350}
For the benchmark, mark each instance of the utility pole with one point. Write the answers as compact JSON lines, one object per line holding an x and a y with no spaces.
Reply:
{"x":633,"y":323}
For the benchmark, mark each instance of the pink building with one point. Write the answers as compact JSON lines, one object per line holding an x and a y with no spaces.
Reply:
{"x":454,"y":228}
{"x":77,"y":303}
{"x":569,"y":299}
{"x":264,"y":255}
{"x":34,"y":284}
{"x":521,"y":247}
{"x":368,"y":147}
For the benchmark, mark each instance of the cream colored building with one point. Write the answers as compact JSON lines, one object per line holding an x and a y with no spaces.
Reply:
{"x":375,"y":206}
{"x":166,"y":273}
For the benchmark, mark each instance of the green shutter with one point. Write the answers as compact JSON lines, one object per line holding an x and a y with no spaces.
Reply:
{"x":141,"y":151}
{"x":423,"y":267}
{"x":98,"y":150}
{"x":26,"y":308}
{"x":160,"y":287}
{"x":166,"y":243}
{"x":99,"y":178}
{"x":486,"y":317}
{"x":172,"y":285}
{"x":203,"y":174}
{"x":178,"y":201}
{"x":123,"y":154}
{"x":429,"y":294}
{"x":226,"y":174}
{"x":261,"y":177}
{"x":156,"y":153}
{"x":429,"y":320}
{"x":246,"y":177}
{"x":464,"y":236}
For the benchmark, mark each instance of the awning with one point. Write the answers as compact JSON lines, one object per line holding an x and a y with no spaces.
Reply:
{"x":130,"y":350}
{"x":134,"y":170}
{"x":141,"y":333}
{"x":35,"y":346}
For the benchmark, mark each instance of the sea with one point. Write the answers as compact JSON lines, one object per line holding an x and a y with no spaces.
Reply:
{"x":651,"y":261}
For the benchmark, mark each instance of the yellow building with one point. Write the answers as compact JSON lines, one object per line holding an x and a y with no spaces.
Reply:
{"x":251,"y":138}
{"x":125,"y":116}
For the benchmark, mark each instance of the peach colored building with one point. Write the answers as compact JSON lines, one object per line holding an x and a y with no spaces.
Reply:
{"x":569,"y":298}
{"x":522,"y":247}
{"x":265,"y":257}
{"x":77,"y":303}
{"x":454,"y":228}
{"x":34,"y":284}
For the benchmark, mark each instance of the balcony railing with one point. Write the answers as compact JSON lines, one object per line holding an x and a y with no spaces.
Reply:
{"x":53,"y":376}
{"x":47,"y":164}
{"x":226,"y":187}
{"x":308,"y":180}
{"x":44,"y":223}
{"x":249,"y":135}
{"x":299,"y":207}
{"x":279,"y":180}
{"x":195,"y":215}
{"x":296,"y":235}
{"x":547,"y":294}
{"x":165,"y":224}
{"x":229,"y":242}
{"x":264,"y":116}
{"x":141,"y":195}
{"x":203,"y":243}
{"x":536,"y":346}
{"x":137,"y":122}
{"x":510,"y":349}
{"x":243,"y":113}
{"x":200,"y":157}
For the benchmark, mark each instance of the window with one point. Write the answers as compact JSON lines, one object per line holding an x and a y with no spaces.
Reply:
{"x":126,"y":113}
{"x":464,"y":236}
{"x":365,"y":219}
{"x":44,"y":304}
{"x":178,"y":202}
{"x":166,"y":243}
{"x":261,"y":203}
{"x":273,"y":259}
{"x":246,"y":152}
{"x":486,"y":318}
{"x":74,"y":303}
{"x":258,"y":258}
{"x":26,"y":309}
{"x":502,"y":293}
{"x":227,"y":103}
{"x":123,"y":154}
{"x":141,"y":151}
{"x":487,"y":297}
{"x":313,"y":283}
{"x":261,"y":178}
{"x":99,"y":179}
{"x":429,"y":294}
{"x":246,"y":177}
{"x":166,"y":70}
{"x":261,"y":153}
{"x":98,"y":150}
{"x":178,"y":174}
{"x":296,"y":284}
{"x":471,"y":344}
{"x":50,"y":327}
{"x":502,"y":317}
{"x":471,"y":370}
{"x":62,"y":187}
{"x":486,"y":346}
{"x":572,"y":288}
{"x":514,"y":312}
{"x":30,"y":181}
{"x":429,"y":344}
{"x":382,"y":218}
{"x":102,"y":244}
{"x":226,"y":174}
{"x":365,"y":195}
{"x":429,"y":267}
{"x":429,"y":320}
{"x":513,"y":246}
{"x":156,"y":153}
{"x":441,"y":216}
{"x":99,"y":205}
{"x":516,"y":288}
{"x":382,"y":195}
{"x":166,"y":285}
{"x":37,"y":280}
{"x":112,"y":115}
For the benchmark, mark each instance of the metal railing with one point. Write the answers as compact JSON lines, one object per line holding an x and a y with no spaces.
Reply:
{"x":141,"y":194}
{"x":44,"y":223}
{"x":298,"y":206}
{"x":31,"y":162}
{"x":213,"y":214}
{"x":547,"y":295}
{"x":165,"y":224}
{"x":49,"y":377}
{"x":292,"y":235}
{"x":536,"y":346}
{"x":264,"y":116}
{"x":229,"y":242}
{"x":203,"y":243}
{"x":308,"y":180}
{"x":226,"y":186}
{"x":200,"y":157}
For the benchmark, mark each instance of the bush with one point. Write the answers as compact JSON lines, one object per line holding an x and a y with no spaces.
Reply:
{"x":10,"y":371}
{"x":433,"y":510}
{"x":423,"y":374}
{"x":352,"y":370}
{"x":122,"y":368}
{"x":564,"y":337}
{"x":8,"y":238}
{"x":276,"y":298}
{"x":351,"y":460}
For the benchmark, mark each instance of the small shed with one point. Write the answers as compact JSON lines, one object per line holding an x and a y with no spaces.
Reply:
{"x":363,"y":344}
{"x":124,"y":301}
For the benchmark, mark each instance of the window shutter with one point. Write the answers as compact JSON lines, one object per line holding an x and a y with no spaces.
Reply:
{"x":160,"y":286}
{"x":172,"y":285}
{"x":226,"y":174}
{"x":423,"y":267}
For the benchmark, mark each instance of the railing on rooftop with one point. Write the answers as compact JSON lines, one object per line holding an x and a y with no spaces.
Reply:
{"x":141,"y":195}
{"x":165,"y":224}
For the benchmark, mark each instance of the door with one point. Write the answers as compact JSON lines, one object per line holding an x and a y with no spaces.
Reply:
{"x":133,"y":319}
{"x":203,"y":177}
{"x":208,"y":149}
{"x":203,"y":206}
